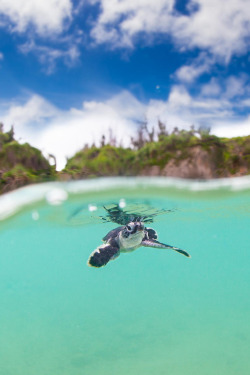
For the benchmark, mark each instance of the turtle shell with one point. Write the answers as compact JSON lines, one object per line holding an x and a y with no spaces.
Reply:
{"x":112,"y":234}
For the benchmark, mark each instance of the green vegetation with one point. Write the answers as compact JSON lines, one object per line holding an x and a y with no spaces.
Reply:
{"x":151,"y":153}
{"x":21,"y":164}
{"x":181,"y":153}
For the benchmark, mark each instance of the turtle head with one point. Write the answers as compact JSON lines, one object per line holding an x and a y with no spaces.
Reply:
{"x":132,"y":229}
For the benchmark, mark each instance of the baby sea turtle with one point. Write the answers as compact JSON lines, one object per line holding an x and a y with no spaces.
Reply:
{"x":125,"y":239}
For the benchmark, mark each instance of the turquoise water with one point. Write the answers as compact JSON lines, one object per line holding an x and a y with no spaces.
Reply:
{"x":148,"y":312}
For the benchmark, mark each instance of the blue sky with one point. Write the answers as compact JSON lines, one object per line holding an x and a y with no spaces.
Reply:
{"x":71,"y":70}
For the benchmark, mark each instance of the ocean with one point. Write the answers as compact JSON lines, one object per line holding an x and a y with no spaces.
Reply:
{"x":152,"y":311}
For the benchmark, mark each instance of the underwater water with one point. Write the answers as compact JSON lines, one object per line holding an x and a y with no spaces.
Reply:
{"x":148,"y":312}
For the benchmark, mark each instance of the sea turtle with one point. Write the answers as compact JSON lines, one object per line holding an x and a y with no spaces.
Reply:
{"x":125,"y":239}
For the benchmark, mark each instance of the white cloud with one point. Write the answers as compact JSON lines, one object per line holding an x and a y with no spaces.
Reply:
{"x":221,"y":27}
{"x":235,"y":86}
{"x":63,"y":133}
{"x":179,"y":97}
{"x":218,"y":26}
{"x":1,"y":56}
{"x":233,"y":129}
{"x":212,"y":88}
{"x":45,"y":16}
{"x":119,"y":21}
{"x":246,"y":102}
{"x":232,"y":87}
{"x":43,"y":24}
{"x":183,"y":110}
{"x":36,"y":110}
{"x":48,"y":56}
{"x":188,"y":73}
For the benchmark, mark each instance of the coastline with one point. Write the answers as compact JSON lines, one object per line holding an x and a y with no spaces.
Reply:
{"x":194,"y":155}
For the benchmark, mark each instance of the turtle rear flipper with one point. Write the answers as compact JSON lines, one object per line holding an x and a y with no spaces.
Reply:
{"x":159,"y":245}
{"x":102,"y":255}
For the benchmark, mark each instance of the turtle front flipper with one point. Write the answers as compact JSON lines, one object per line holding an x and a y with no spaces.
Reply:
{"x":102,"y":255}
{"x":159,"y":245}
{"x":150,"y":234}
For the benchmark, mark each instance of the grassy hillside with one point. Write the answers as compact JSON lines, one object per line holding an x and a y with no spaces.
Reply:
{"x":185,"y":154}
{"x":180,"y":154}
{"x":21,"y":164}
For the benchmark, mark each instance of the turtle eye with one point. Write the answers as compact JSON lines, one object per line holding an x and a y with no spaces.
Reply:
{"x":129,"y":227}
